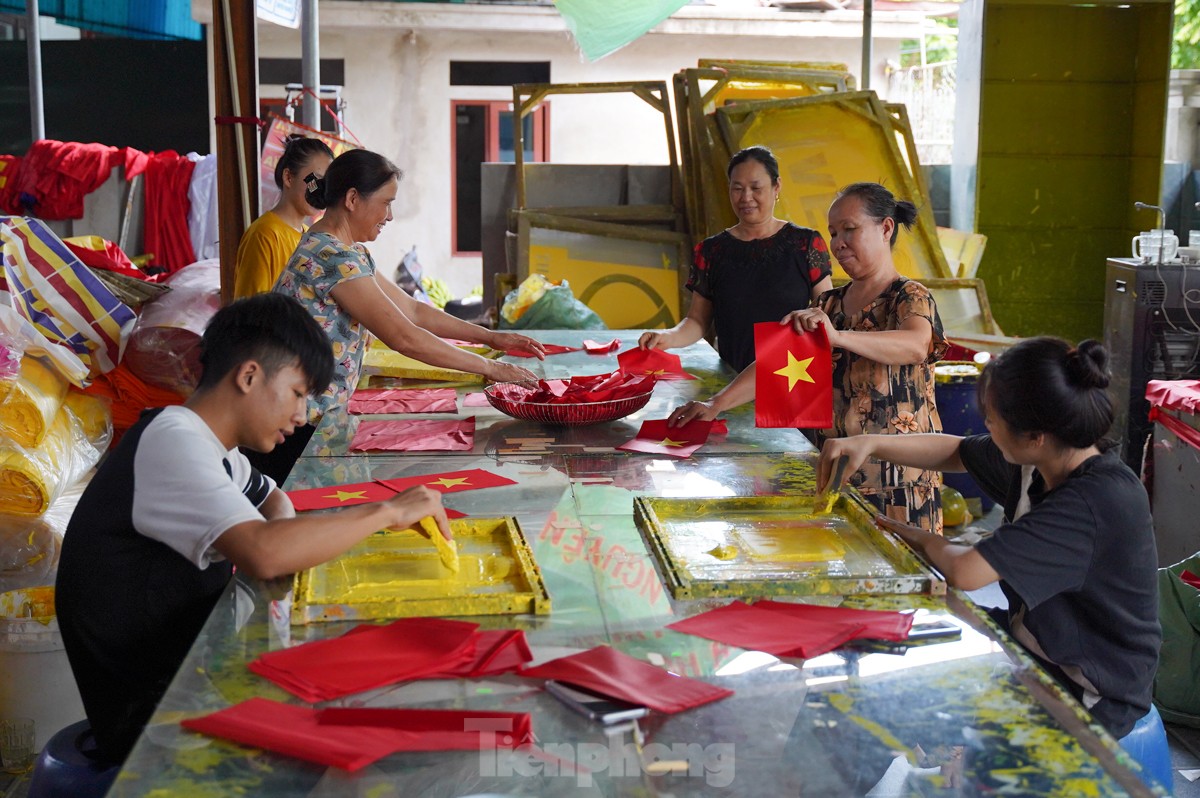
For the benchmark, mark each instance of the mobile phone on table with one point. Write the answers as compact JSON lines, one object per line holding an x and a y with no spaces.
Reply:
{"x":929,"y":632}
{"x":933,"y":630}
{"x":599,"y":708}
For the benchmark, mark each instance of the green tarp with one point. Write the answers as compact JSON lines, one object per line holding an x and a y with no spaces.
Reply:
{"x":602,"y":27}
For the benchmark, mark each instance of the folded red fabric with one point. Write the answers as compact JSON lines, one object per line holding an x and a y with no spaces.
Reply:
{"x":456,"y":435}
{"x":496,"y":651}
{"x":353,"y":738}
{"x":294,"y":731}
{"x":876,"y":624}
{"x":779,"y":633}
{"x":609,"y":672}
{"x":437,"y":729}
{"x":653,"y":362}
{"x":397,"y":400}
{"x":597,"y":348}
{"x":410,"y":648}
{"x":476,"y":399}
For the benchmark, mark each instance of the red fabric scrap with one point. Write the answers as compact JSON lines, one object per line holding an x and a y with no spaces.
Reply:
{"x":653,"y":362}
{"x":611,"y":673}
{"x":1187,"y":434}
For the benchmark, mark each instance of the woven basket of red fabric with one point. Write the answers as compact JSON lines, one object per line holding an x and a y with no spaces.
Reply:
{"x":526,"y":400}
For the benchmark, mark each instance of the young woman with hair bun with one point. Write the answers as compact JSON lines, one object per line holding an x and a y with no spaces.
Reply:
{"x":272,"y":238}
{"x":1075,"y":555}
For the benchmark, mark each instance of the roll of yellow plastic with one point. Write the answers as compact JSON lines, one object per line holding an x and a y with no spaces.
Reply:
{"x":29,"y":404}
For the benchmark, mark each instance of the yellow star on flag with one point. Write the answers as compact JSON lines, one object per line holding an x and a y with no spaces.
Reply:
{"x":795,"y":370}
{"x":669,"y":442}
{"x":346,"y":495}
{"x":450,"y":482}
{"x":657,"y":372}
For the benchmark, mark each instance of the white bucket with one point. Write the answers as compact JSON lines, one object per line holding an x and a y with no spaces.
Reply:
{"x":37,"y":681}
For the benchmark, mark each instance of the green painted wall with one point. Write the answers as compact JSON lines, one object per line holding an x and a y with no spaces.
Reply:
{"x":1071,"y":109}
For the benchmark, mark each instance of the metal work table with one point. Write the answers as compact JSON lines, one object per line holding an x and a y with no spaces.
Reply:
{"x":834,"y":725}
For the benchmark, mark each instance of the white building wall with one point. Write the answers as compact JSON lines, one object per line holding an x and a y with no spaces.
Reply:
{"x":399,"y":100}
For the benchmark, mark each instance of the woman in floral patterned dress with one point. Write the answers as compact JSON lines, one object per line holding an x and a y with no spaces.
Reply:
{"x":886,"y":335}
{"x":333,"y":275}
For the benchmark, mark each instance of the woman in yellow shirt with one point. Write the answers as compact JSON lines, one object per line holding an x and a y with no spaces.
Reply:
{"x":270,"y":241}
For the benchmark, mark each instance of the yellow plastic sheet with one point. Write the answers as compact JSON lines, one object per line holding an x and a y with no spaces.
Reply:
{"x":29,"y":404}
{"x":388,"y":363}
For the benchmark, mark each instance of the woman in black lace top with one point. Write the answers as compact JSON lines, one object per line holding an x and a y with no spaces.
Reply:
{"x":759,"y":270}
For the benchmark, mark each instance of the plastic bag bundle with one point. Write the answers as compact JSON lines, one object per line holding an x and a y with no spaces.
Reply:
{"x":1176,"y":689}
{"x":94,"y":414}
{"x":519,"y":301}
{"x":19,"y":337}
{"x":30,"y":403}
{"x":539,"y":304}
{"x":164,"y":347}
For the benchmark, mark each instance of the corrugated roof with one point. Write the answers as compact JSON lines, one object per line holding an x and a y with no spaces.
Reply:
{"x":136,"y":19}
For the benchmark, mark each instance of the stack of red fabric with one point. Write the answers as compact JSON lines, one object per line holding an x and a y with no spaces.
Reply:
{"x":369,"y":656}
{"x":352,"y":738}
{"x":576,"y":390}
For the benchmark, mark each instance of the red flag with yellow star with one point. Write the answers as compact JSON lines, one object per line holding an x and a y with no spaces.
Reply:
{"x":451,"y":481}
{"x":793,"y":377}
{"x":653,"y":362}
{"x":339,"y":496}
{"x":656,"y":437}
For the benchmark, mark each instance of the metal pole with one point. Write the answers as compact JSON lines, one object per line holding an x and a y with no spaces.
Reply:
{"x":310,"y":64}
{"x":868,"y":11}
{"x":33,"y":42}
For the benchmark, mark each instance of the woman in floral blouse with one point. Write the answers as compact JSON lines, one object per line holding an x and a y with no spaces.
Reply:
{"x":332,"y":274}
{"x":886,"y":336}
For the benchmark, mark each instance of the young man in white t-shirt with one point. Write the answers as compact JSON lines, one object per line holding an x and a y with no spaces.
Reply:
{"x":176,"y":508}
